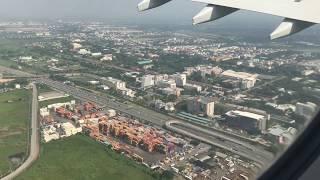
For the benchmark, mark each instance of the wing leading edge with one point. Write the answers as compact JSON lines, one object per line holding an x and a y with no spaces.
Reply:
{"x":298,"y":14}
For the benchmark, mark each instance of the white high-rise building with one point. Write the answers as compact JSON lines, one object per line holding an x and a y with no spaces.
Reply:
{"x":181,"y":79}
{"x":201,"y":105}
{"x":147,"y":81}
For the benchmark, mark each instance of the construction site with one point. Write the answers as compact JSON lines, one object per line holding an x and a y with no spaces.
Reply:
{"x":151,"y":146}
{"x":125,"y":135}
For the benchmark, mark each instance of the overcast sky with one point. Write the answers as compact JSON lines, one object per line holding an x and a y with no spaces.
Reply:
{"x":177,"y":11}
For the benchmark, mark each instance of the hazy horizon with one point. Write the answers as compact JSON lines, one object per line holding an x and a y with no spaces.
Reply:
{"x":177,"y":11}
{"x":124,"y":12}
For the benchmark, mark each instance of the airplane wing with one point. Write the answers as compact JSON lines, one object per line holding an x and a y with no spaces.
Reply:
{"x":298,"y":14}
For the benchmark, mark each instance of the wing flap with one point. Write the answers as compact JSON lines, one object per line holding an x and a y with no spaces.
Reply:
{"x":305,"y":10}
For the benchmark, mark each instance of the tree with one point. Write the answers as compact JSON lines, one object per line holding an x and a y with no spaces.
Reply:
{"x":167,"y":175}
{"x":196,"y":76}
{"x":171,"y":98}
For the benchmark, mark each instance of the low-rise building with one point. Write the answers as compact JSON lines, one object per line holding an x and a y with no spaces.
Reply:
{"x":159,"y":78}
{"x":107,"y":57}
{"x":94,"y":82}
{"x":127,"y":92}
{"x":49,"y":133}
{"x":160,"y":105}
{"x":118,"y":85}
{"x":76,"y":46}
{"x":111,"y":113}
{"x":25,"y":58}
{"x":192,"y":87}
{"x":104,"y":87}
{"x":171,"y":91}
{"x":17,"y":86}
{"x":84,"y":52}
{"x":68,"y":129}
{"x":115,"y":83}
{"x":44,"y":112}
{"x":167,"y":84}
{"x":96,"y":54}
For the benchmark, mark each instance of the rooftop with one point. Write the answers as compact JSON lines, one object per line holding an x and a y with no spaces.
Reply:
{"x":241,"y":75}
{"x":245,"y":114}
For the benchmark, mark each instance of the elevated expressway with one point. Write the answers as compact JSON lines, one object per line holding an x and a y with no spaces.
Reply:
{"x":236,"y":146}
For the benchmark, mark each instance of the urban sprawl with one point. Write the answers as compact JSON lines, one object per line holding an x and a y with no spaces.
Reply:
{"x":203,"y":107}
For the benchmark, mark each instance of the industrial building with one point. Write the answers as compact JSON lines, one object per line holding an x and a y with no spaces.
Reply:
{"x":250,"y":122}
{"x":135,"y":134}
{"x":246,"y":80}
{"x":201,"y":105}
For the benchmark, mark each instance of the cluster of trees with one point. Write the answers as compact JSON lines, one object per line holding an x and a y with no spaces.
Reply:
{"x":172,"y":63}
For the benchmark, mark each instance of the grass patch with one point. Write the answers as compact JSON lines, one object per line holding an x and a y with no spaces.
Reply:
{"x":80,"y":157}
{"x":43,"y":89}
{"x":14,"y":121}
{"x":53,"y":101}
{"x":7,"y":63}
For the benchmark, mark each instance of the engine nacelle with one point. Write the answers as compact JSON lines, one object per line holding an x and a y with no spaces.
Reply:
{"x":211,"y":13}
{"x":149,"y":4}
{"x":289,"y":27}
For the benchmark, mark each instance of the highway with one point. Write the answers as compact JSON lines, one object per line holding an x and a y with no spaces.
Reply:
{"x":126,"y":108}
{"x":243,"y":149}
{"x":15,"y":72}
{"x":233,"y":144}
{"x":34,"y":141}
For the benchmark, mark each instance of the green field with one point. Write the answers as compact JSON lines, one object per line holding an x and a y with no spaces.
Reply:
{"x":14,"y":120}
{"x":44,"y":88}
{"x":53,"y":101}
{"x":81,"y":158}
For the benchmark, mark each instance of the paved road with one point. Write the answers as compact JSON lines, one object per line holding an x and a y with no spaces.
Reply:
{"x":18,"y":73}
{"x":34,"y":143}
{"x":243,"y":149}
